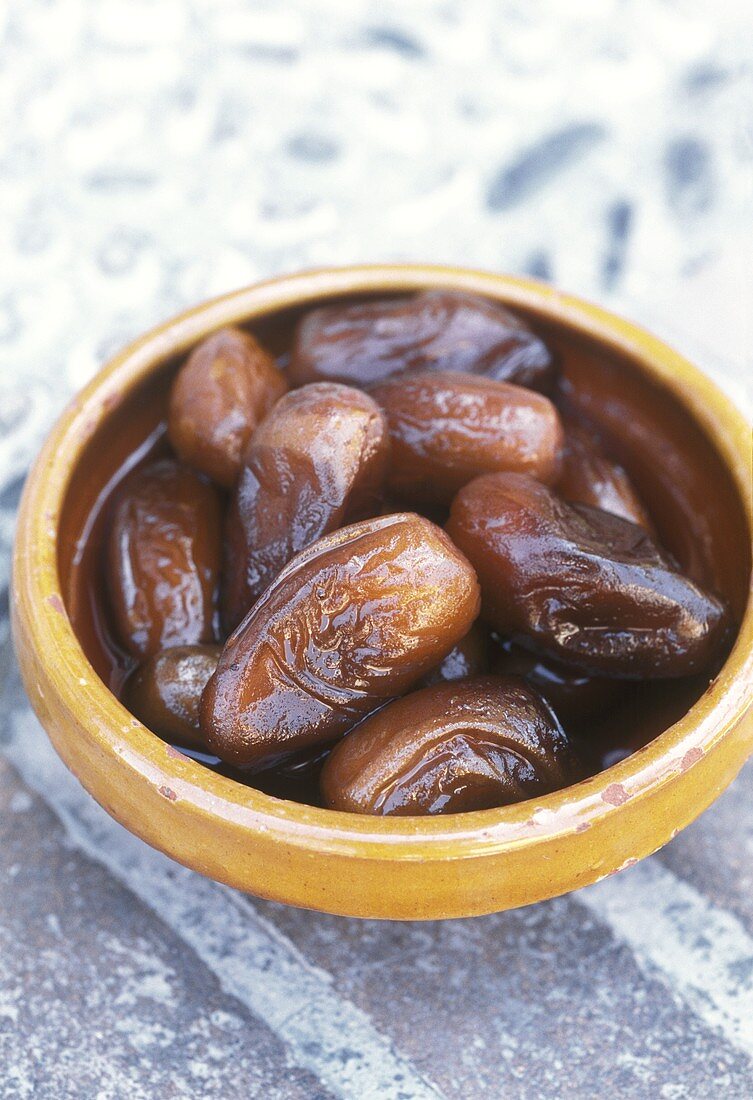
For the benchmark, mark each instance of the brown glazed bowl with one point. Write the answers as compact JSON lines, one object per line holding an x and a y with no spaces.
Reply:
{"x":400,"y":868}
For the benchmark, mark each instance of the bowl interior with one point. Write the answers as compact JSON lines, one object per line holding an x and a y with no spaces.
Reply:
{"x":675,"y":465}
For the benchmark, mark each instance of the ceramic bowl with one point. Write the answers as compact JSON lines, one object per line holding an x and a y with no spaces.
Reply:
{"x":407,"y":868}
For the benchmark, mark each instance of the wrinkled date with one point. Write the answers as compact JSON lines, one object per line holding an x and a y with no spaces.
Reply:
{"x":589,"y":476}
{"x":164,"y":693}
{"x":438,"y":329}
{"x":484,"y":742}
{"x":163,"y":559}
{"x":219,"y":396}
{"x":573,"y":695}
{"x":468,"y":658}
{"x":316,"y":462}
{"x":447,"y":428}
{"x":354,"y":620}
{"x":587,"y":587}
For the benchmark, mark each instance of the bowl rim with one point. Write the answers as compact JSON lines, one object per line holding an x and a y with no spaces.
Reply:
{"x":130,"y":744}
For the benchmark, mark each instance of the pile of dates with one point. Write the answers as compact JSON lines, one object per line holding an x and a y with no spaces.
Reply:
{"x":395,"y":566}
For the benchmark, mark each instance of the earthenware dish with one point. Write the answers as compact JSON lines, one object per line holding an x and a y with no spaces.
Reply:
{"x":405,"y":868}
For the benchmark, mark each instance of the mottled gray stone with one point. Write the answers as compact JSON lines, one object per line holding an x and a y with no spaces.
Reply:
{"x":619,"y":221}
{"x":540,"y":1002}
{"x":392,"y":38}
{"x":540,"y":164}
{"x":689,"y":175}
{"x":716,"y":853}
{"x":99,"y":998}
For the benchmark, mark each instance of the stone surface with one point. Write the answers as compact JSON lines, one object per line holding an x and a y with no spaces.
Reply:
{"x":154,"y":153}
{"x":99,"y":998}
{"x":533,"y":1003}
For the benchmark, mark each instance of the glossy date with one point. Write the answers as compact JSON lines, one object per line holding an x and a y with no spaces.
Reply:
{"x":469,"y":657}
{"x":316,"y":462}
{"x":165,"y":691}
{"x":352,"y":621}
{"x":224,"y":389}
{"x":447,"y":428}
{"x":163,"y":558}
{"x":366,"y":342}
{"x":484,"y":742}
{"x":590,"y":476}
{"x":584,"y":586}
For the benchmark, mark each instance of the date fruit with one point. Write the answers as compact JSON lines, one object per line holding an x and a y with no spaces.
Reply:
{"x":164,"y":693}
{"x":447,"y":428}
{"x":226,"y":386}
{"x":468,"y":658}
{"x":484,"y":742}
{"x":349,"y":623}
{"x":316,"y":462}
{"x":589,"y":476}
{"x":586,"y":587}
{"x":163,"y":559}
{"x":366,"y":342}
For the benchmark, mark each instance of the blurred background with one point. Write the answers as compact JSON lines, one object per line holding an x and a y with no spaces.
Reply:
{"x":156,"y":152}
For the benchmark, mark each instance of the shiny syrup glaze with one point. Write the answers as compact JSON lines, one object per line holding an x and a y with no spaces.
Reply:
{"x":583,"y":586}
{"x":447,"y":428}
{"x":357,"y":618}
{"x":316,"y":463}
{"x":367,"y":342}
{"x":675,"y":469}
{"x":225,"y":388}
{"x":590,"y":476}
{"x":164,"y":549}
{"x":449,"y":748}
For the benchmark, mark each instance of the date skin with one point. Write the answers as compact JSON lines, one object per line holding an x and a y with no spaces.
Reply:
{"x":484,"y":742}
{"x":573,"y":695}
{"x":659,"y":447}
{"x":164,"y":693}
{"x":589,"y":476}
{"x":585,"y":587}
{"x":352,"y":621}
{"x":447,"y":428}
{"x":316,"y":462}
{"x":469,"y":657}
{"x":163,"y":559}
{"x":366,"y":342}
{"x":224,"y":389}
